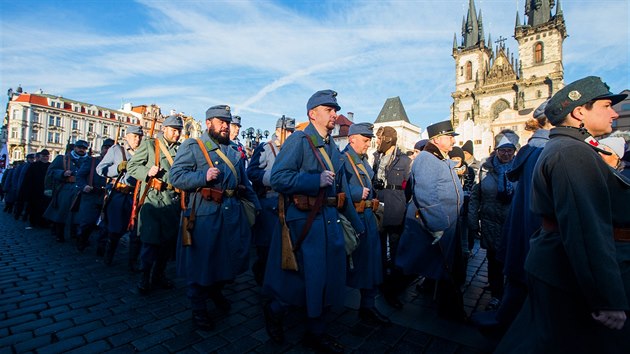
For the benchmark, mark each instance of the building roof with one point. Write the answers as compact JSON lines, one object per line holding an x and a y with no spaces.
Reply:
{"x":344,"y":125}
{"x":392,"y":111}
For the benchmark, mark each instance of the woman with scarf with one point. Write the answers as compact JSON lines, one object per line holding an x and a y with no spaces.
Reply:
{"x":490,"y":202}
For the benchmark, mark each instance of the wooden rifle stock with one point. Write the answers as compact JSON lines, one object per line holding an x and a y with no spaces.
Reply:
{"x":288,"y":256}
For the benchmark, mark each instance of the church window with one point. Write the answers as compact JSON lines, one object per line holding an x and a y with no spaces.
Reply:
{"x":468,"y":70}
{"x":538,"y":94}
{"x":461,"y":71}
{"x":538,"y":53}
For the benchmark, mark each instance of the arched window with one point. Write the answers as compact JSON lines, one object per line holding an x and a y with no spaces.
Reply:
{"x":468,"y":70}
{"x":538,"y":53}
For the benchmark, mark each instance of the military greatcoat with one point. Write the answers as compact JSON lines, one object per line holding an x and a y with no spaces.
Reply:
{"x":368,"y":270}
{"x":64,"y":189}
{"x":92,"y":202}
{"x":158,"y":218}
{"x":120,"y":201}
{"x":321,"y":277}
{"x":221,"y":236}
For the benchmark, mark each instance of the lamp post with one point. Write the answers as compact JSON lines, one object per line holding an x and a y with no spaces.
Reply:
{"x":253,"y":136}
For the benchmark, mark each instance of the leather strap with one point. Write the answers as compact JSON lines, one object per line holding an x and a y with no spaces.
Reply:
{"x":227,"y":162}
{"x":273,"y":149}
{"x":166,"y":153}
{"x":354,"y":167}
{"x":205,"y":152}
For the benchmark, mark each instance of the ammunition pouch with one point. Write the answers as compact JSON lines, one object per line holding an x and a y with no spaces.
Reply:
{"x":306,"y":203}
{"x":366,"y":204}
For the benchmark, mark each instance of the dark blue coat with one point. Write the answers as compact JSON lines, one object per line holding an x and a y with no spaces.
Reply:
{"x":437,"y":201}
{"x":321,"y":277}
{"x":221,"y":236}
{"x":92,"y":202}
{"x":259,"y":173}
{"x":63,"y":192}
{"x":368,"y":269}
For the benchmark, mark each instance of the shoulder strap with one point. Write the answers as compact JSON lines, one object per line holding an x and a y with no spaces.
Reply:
{"x":156,"y":142}
{"x":205,"y":152}
{"x":354,"y":167}
{"x":228,"y":162}
{"x":273,"y":149}
{"x":167,"y":154}
{"x":310,"y":142}
{"x":124,"y":153}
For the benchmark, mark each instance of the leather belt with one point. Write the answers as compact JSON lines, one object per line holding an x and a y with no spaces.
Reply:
{"x":123,"y":188}
{"x":162,"y":186}
{"x":217,"y":195}
{"x":620,"y":234}
{"x":69,"y":179}
{"x":366,"y":204}
{"x":394,"y":187}
{"x":306,"y":203}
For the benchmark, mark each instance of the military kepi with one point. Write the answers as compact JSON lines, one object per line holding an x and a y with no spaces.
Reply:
{"x":576,"y":94}
{"x":236,"y":120}
{"x":174,"y":122}
{"x":82,"y":143}
{"x":221,"y":112}
{"x":365,"y":129}
{"x":441,"y":128}
{"x":286,"y":123}
{"x":135,"y":129}
{"x":323,"y":98}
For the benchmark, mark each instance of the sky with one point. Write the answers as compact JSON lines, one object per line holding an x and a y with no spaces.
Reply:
{"x":266,"y":58}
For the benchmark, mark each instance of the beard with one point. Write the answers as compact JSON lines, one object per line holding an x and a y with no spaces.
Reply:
{"x":216,"y":135}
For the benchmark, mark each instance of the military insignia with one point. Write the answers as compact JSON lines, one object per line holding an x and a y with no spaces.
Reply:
{"x":227,"y":108}
{"x":334,"y":94}
{"x":574,"y":95}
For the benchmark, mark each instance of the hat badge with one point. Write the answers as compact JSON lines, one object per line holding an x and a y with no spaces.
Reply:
{"x":227,"y":108}
{"x":574,"y":95}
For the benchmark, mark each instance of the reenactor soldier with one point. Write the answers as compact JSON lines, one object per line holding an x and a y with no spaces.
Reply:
{"x":366,"y":272}
{"x":117,"y":207}
{"x":20,"y":188}
{"x":36,"y":200}
{"x":309,"y":172}
{"x":62,"y":172}
{"x":216,"y":218}
{"x":259,"y":173}
{"x":159,"y":203}
{"x":235,"y":128}
{"x":92,"y":188}
{"x":391,"y":172}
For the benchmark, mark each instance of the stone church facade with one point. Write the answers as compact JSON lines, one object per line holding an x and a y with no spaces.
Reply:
{"x":493,"y":89}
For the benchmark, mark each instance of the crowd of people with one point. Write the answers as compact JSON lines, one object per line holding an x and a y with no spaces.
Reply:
{"x":552,"y":216}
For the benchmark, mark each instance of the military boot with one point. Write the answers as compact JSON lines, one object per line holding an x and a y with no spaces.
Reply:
{"x":110,"y":250}
{"x":144,"y":285}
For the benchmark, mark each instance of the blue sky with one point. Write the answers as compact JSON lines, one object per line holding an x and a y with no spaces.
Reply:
{"x":265,"y":58}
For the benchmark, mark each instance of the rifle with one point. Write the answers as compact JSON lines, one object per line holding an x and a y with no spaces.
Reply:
{"x":137,"y":202}
{"x":288,"y":256}
{"x":102,"y":219}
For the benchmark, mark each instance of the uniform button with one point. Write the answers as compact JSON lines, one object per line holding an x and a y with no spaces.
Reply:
{"x":338,"y":221}
{"x":226,"y":208}
{"x":328,"y":221}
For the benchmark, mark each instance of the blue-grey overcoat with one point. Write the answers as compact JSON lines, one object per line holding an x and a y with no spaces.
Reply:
{"x":320,"y":279}
{"x":221,"y":236}
{"x":437,"y":199}
{"x":368,"y":268}
{"x":63,"y":192}
{"x":92,"y":202}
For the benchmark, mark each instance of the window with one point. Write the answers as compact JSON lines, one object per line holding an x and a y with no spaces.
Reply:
{"x":461,"y":71}
{"x":477,"y":142}
{"x":17,"y":155}
{"x":538,"y":94}
{"x":14,"y":133}
{"x":51,"y":120}
{"x":75,"y":124}
{"x":35,"y":135}
{"x":35,"y":118}
{"x":58,"y":121}
{"x":468,"y":71}
{"x":73,"y":139}
{"x":105,"y":130}
{"x":90,"y":127}
{"x":51,"y":137}
{"x":538,"y":53}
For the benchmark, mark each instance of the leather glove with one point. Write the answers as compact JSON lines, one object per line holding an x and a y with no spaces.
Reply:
{"x":122,"y":167}
{"x":437,"y":235}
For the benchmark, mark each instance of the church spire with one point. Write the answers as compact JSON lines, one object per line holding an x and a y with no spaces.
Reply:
{"x":454,"y":41}
{"x":471,"y":27}
{"x":481,"y":35}
{"x":538,"y":11}
{"x":558,"y":9}
{"x":518,"y":21}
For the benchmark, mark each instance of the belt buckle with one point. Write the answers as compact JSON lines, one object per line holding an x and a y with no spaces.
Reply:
{"x":229,"y":193}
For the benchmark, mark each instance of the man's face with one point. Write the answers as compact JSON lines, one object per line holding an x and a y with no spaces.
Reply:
{"x":133,"y":140}
{"x":415,"y":154}
{"x":458,"y":160}
{"x":234,"y":130}
{"x":359,"y":143}
{"x":171,"y":134}
{"x":505,"y":155}
{"x":444,"y":143}
{"x":80,"y":150}
{"x":44,"y":158}
{"x":598,"y":120}
{"x":219,"y":130}
{"x":323,"y":116}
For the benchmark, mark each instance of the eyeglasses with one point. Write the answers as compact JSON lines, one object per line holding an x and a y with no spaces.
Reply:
{"x":506,"y":151}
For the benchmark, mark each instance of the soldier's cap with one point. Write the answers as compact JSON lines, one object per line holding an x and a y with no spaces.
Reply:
{"x":44,"y":152}
{"x":323,"y":98}
{"x":108,"y":142}
{"x":540,"y":111}
{"x":30,"y":156}
{"x":468,"y":147}
{"x":441,"y":128}
{"x":365,"y":129}
{"x":135,"y":129}
{"x":616,"y":144}
{"x":421,"y":144}
{"x":576,"y":94}
{"x":81,"y":143}
{"x":174,"y":122}
{"x":222,"y":112}
{"x":286,"y":123}
{"x":236,"y":120}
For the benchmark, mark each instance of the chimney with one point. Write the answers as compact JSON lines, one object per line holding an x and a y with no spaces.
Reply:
{"x":351,"y":116}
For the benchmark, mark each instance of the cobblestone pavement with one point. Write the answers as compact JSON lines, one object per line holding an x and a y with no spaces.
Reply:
{"x":54,"y":299}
